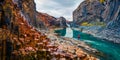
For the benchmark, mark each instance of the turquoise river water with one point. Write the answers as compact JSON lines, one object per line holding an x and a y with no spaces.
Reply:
{"x":110,"y":50}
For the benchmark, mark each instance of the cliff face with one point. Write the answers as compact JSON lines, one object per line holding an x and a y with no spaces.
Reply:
{"x":50,"y":20}
{"x":47,"y":19}
{"x":20,"y":40}
{"x":88,"y":11}
{"x":62,"y":22}
{"x":106,"y":11}
{"x":112,"y":17}
{"x":28,"y":10}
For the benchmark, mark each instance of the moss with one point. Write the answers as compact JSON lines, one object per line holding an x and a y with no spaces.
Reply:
{"x":86,"y":24}
{"x":93,"y":24}
{"x":102,"y":1}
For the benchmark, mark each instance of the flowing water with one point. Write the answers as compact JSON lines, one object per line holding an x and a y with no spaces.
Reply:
{"x":110,"y":50}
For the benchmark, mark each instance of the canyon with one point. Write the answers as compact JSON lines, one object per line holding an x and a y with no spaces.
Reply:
{"x":102,"y":13}
{"x":21,"y":37}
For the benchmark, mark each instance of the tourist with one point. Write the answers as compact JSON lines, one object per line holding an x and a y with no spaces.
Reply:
{"x":78,"y":36}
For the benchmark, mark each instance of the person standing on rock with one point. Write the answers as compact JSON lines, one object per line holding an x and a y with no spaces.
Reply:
{"x":78,"y":36}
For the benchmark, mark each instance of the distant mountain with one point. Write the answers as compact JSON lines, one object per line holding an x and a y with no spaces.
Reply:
{"x":100,"y":12}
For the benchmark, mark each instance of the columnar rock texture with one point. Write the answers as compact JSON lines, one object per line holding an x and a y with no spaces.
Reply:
{"x":88,"y":11}
{"x":49,"y":20}
{"x":112,"y":17}
{"x":107,"y":11}
{"x":28,"y":10}
{"x":20,"y":40}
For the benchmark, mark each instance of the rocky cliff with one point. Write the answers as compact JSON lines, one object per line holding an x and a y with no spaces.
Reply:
{"x":47,"y":19}
{"x":62,"y":21}
{"x":20,"y":40}
{"x":88,"y":11}
{"x":112,"y":17}
{"x":28,"y":10}
{"x":105,"y":11}
{"x":50,"y":21}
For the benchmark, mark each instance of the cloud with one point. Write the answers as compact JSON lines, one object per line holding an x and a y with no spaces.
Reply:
{"x":58,"y":8}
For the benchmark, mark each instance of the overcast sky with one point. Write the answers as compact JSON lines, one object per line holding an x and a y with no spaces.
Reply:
{"x":58,"y":8}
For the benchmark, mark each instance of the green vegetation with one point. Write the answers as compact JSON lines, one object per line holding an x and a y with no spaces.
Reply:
{"x":86,"y":24}
{"x":102,"y":1}
{"x":93,"y":24}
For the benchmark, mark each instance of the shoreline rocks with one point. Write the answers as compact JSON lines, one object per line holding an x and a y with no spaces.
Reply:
{"x":71,"y":45}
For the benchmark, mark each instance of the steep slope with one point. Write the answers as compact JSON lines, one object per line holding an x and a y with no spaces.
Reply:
{"x":88,"y":11}
{"x":20,"y":40}
{"x":50,"y":21}
{"x":105,"y":11}
{"x":47,"y":19}
{"x":62,"y":21}
{"x":28,"y":10}
{"x":112,"y":16}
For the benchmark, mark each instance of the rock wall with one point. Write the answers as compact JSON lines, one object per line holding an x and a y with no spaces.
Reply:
{"x":62,"y":22}
{"x":107,"y":11}
{"x":20,"y":40}
{"x":112,"y":17}
{"x":88,"y":11}
{"x":50,"y":21}
{"x":47,"y":19}
{"x":28,"y":10}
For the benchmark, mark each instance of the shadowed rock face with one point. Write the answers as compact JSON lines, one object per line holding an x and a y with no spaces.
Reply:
{"x":25,"y":7}
{"x":107,"y":12}
{"x":20,"y":40}
{"x":112,"y":17}
{"x":88,"y":11}
{"x":28,"y":9}
{"x":62,"y":21}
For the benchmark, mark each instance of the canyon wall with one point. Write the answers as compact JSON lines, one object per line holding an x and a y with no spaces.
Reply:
{"x":111,"y":15}
{"x":105,"y":11}
{"x":88,"y":11}
{"x":50,"y":21}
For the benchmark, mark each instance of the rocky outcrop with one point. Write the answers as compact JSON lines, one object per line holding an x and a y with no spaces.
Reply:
{"x":88,"y":11}
{"x":62,"y":21}
{"x":107,"y":11}
{"x":28,"y":10}
{"x":50,"y":21}
{"x":112,"y":17}
{"x":20,"y":40}
{"x":46,"y":19}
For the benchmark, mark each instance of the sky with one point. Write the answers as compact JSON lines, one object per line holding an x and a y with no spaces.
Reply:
{"x":58,"y":8}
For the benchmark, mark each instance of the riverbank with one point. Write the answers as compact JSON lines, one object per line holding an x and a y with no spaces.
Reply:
{"x":70,"y":45}
{"x":96,"y":31}
{"x":104,"y":46}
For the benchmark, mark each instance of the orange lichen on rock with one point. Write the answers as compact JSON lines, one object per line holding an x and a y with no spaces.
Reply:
{"x":26,"y":42}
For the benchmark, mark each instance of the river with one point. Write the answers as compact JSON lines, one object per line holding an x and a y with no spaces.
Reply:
{"x":110,"y":50}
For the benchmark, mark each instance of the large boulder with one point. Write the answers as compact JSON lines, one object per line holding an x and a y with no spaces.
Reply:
{"x":62,"y":22}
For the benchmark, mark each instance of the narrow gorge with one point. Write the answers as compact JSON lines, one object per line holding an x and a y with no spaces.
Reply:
{"x":44,"y":30}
